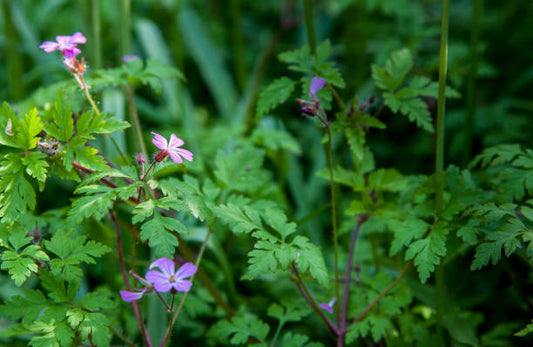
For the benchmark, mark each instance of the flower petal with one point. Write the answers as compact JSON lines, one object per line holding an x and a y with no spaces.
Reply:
{"x":317,"y":83}
{"x":159,"y":141}
{"x":175,"y":141}
{"x":165,"y":265}
{"x":184,"y":153}
{"x":130,"y":296}
{"x":78,"y":38}
{"x":182,"y":285}
{"x":175,"y":156}
{"x":326,"y":307}
{"x":159,"y":280}
{"x":186,"y":270}
{"x":49,"y":46}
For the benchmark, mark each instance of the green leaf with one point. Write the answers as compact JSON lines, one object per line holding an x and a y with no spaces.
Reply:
{"x":405,"y":232}
{"x":60,"y":122}
{"x":527,"y":330}
{"x":298,"y":59}
{"x":325,"y":69}
{"x":268,"y":257}
{"x":71,"y":252}
{"x":291,"y":311}
{"x":51,"y":334}
{"x":96,"y":206}
{"x":19,"y":133}
{"x":309,"y":259}
{"x":239,"y":330}
{"x":27,"y":306}
{"x":276,"y":93}
{"x":190,"y":193}
{"x":243,"y":220}
{"x":155,"y":231}
{"x":16,"y":193}
{"x":395,"y":71}
{"x":298,"y":340}
{"x":427,"y":252}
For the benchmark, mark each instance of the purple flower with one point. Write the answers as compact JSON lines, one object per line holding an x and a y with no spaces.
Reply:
{"x":66,"y":44}
{"x":328,"y":306}
{"x":132,"y":296}
{"x":170,"y":148}
{"x":317,"y":83}
{"x":168,"y":279}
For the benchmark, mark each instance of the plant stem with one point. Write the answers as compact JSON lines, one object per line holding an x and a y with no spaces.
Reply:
{"x":308,"y":9}
{"x":134,"y":304}
{"x":348,"y":279}
{"x":166,"y":338}
{"x":237,"y":41}
{"x":85,"y":88}
{"x":309,"y":298}
{"x":324,"y":120}
{"x":439,"y":155}
{"x":382,"y":294}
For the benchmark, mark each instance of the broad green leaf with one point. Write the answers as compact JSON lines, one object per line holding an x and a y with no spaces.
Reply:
{"x":156,"y":232}
{"x":239,"y":330}
{"x":427,"y":252}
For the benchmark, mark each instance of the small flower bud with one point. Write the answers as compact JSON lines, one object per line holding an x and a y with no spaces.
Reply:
{"x":162,"y":155}
{"x":140,"y":158}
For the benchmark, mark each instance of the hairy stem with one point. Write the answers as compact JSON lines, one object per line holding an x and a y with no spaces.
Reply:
{"x":309,"y":298}
{"x":134,"y":304}
{"x":348,"y":279}
{"x":382,"y":294}
{"x":166,"y":338}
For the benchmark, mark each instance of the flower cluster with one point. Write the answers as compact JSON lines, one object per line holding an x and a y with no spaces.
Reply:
{"x":311,"y":107}
{"x":167,"y":280}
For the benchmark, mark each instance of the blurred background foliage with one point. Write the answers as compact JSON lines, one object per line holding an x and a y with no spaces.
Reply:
{"x":227,"y":50}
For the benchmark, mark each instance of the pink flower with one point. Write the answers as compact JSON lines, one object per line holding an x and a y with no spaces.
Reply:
{"x":317,"y":83}
{"x":66,"y":44}
{"x":168,"y":279}
{"x":170,"y":148}
{"x":328,"y":306}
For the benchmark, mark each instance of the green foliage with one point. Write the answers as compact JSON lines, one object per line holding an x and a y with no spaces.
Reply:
{"x":404,"y":97}
{"x":71,"y":251}
{"x":275,"y":94}
{"x":20,"y":258}
{"x":240,"y":330}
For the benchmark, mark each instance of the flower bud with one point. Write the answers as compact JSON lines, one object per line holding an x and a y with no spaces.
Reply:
{"x":162,"y":155}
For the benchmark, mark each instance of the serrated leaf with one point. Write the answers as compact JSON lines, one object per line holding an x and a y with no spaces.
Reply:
{"x":395,"y":71}
{"x":240,"y":329}
{"x":243,"y":220}
{"x":155,"y":231}
{"x":96,"y":206}
{"x":427,"y":252}
{"x":298,"y":340}
{"x":60,"y":122}
{"x":405,"y":232}
{"x":276,"y":93}
{"x":51,"y":334}
{"x":16,"y":193}
{"x":298,"y":59}
{"x":309,"y":259}
{"x":72,"y":251}
{"x":36,"y":165}
{"x":27,"y":306}
{"x":20,"y":133}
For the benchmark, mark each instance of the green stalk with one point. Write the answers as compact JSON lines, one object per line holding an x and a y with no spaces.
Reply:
{"x":439,"y":155}
{"x":308,"y":9}
{"x":96,"y":33}
{"x":125,"y":28}
{"x":471,"y":86}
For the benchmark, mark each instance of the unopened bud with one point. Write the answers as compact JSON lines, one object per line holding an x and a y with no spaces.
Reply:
{"x":140,"y":158}
{"x":159,"y":157}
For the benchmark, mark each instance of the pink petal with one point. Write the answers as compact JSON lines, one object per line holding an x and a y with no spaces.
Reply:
{"x":185,"y":153}
{"x":182,"y":285}
{"x":49,"y":46}
{"x":175,"y":141}
{"x":130,"y":296}
{"x":175,"y":156}
{"x":70,"y":53}
{"x":165,"y":265}
{"x":186,"y":270}
{"x":78,"y":38}
{"x":159,"y":141}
